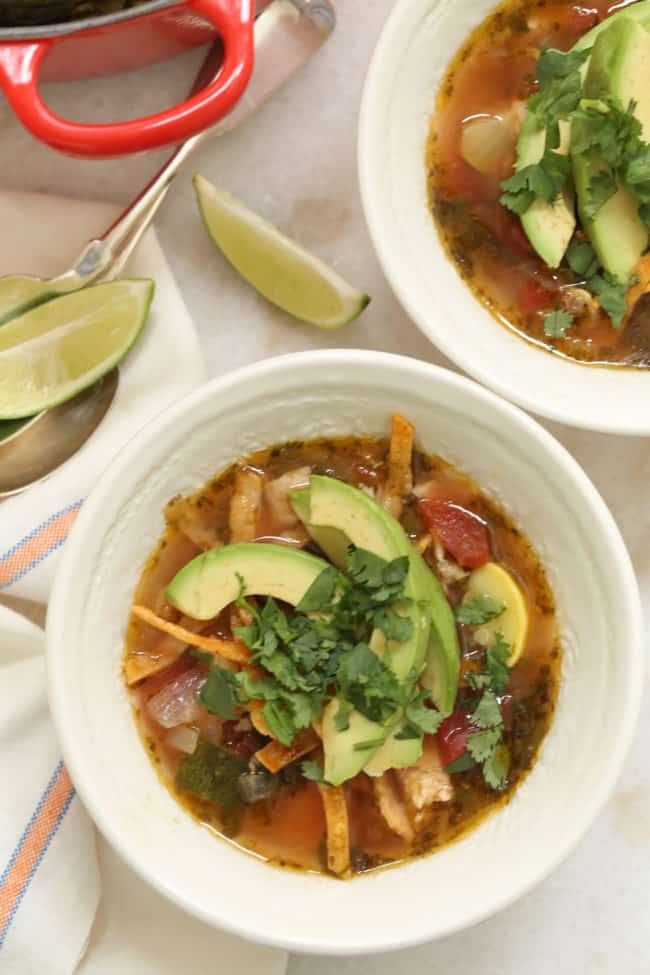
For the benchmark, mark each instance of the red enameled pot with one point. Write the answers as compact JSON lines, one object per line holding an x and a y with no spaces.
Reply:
{"x":120,"y":42}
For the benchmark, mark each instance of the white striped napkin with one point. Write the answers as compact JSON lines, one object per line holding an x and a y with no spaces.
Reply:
{"x":47,"y":233}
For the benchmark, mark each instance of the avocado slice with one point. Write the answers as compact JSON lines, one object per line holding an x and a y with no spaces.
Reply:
{"x":549,"y":225}
{"x":211,"y":581}
{"x":341,"y":515}
{"x":343,"y":758}
{"x":619,"y":68}
{"x":394,"y":753}
{"x":336,"y":515}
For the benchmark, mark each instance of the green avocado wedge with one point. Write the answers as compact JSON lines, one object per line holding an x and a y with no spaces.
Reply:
{"x":549,"y":226}
{"x":213,"y":580}
{"x":619,"y":68}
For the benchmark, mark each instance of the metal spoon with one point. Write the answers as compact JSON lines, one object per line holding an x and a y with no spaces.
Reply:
{"x":287,"y":34}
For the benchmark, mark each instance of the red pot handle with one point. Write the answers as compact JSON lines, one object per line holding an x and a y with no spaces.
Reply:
{"x":20,"y":62}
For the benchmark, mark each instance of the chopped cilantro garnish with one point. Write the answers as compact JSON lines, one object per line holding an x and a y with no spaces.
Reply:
{"x":481,"y":744}
{"x":462,"y":764}
{"x":544,"y":179}
{"x":479,"y":610}
{"x":496,"y":767}
{"x":219,"y":693}
{"x":487,"y":713}
{"x":611,"y":295}
{"x":424,"y":719}
{"x":582,"y":258}
{"x":497,"y":664}
{"x":321,"y":592}
{"x":556,"y":323}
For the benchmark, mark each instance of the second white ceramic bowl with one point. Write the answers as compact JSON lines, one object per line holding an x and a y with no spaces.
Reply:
{"x":512,"y":458}
{"x":415,"y":48}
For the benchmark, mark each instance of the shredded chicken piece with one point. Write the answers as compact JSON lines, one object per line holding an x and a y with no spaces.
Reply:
{"x":392,"y":807}
{"x":276,"y":756}
{"x":425,"y":782}
{"x":233,"y":650}
{"x":399,"y":482}
{"x":245,"y":505}
{"x":277,"y":491}
{"x":338,"y":832}
{"x":193,"y":522}
{"x":448,"y":569}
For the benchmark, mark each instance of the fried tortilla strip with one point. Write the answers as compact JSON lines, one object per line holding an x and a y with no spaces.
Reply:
{"x":233,"y":650}
{"x":276,"y":756}
{"x":245,"y":505}
{"x":399,"y":482}
{"x":392,"y":807}
{"x":338,"y":832}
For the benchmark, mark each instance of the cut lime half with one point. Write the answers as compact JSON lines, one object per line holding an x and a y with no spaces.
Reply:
{"x":56,"y":350}
{"x":279,"y":268}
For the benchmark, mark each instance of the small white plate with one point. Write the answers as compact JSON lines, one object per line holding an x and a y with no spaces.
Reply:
{"x":418,"y":41}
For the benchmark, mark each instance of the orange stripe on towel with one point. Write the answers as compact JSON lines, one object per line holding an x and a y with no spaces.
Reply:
{"x":33,"y":845}
{"x":33,"y":548}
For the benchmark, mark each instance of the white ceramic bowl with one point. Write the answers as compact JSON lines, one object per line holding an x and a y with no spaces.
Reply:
{"x":514,"y":459}
{"x":418,"y":41}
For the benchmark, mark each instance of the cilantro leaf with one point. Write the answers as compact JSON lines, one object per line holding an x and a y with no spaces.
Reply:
{"x":496,"y":767}
{"x":479,"y":610}
{"x":557,"y":322}
{"x":481,"y":744}
{"x":602,"y":186}
{"x":497,"y":664}
{"x":487,"y":713}
{"x":312,"y":770}
{"x":393,"y":626}
{"x":408,"y":733}
{"x":462,"y":764}
{"x":320,"y":594}
{"x":582,"y":258}
{"x":611,"y":295}
{"x":425,"y":719}
{"x":219,"y":693}
{"x":644,"y":214}
{"x":544,"y":179}
{"x":553,"y":64}
{"x":280,"y":721}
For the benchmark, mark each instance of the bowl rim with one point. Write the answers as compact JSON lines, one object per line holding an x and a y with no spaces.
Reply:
{"x":403,"y":14}
{"x":90,"y":517}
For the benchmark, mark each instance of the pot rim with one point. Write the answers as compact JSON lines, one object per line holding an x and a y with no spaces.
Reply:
{"x":45,"y":31}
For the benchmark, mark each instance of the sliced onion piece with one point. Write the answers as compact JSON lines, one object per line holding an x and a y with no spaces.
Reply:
{"x":178,"y":702}
{"x":487,"y":142}
{"x":184,"y":739}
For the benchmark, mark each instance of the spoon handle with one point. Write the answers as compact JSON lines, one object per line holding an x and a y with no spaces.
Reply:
{"x":286,"y":35}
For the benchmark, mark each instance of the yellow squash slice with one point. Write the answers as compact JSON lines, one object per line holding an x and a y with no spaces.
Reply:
{"x":493,"y":580}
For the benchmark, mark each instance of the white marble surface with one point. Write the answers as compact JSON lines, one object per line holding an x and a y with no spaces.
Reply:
{"x":296,"y":163}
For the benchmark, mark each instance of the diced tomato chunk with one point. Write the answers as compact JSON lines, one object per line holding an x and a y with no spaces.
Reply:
{"x":533,"y":297}
{"x":462,"y":533}
{"x":452,"y":736}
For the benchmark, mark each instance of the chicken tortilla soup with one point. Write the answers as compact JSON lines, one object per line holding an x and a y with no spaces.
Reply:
{"x":342,"y":654}
{"x":539,"y":174}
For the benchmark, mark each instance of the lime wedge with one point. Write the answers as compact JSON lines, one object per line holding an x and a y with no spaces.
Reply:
{"x":20,"y":292}
{"x":52,"y":352}
{"x":281,"y":270}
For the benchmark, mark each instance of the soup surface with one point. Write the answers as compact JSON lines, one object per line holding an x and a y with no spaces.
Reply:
{"x":252,"y":767}
{"x":472,"y":149}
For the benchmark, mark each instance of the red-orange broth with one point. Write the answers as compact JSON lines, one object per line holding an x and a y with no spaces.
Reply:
{"x":493,"y":74}
{"x":289,"y":827}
